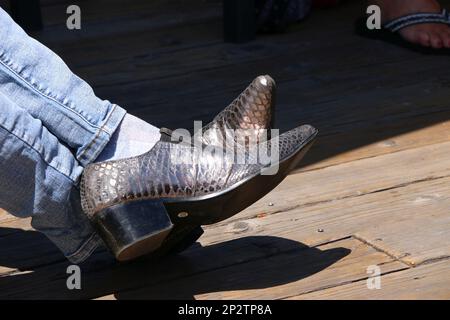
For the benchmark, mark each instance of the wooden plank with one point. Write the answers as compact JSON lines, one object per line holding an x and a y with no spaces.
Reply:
{"x":416,"y":238}
{"x":116,"y":19}
{"x":277,"y":56}
{"x":239,"y":20}
{"x":279,"y":276}
{"x":353,"y":179}
{"x":431,"y":281}
{"x":4,"y":215}
{"x":410,"y":223}
{"x":107,"y":10}
{"x":14,"y":224}
{"x":366,"y":143}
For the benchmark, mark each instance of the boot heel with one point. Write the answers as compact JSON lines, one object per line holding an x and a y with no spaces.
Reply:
{"x":133,"y":229}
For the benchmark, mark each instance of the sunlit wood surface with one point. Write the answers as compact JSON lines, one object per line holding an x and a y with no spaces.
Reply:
{"x":374,"y":190}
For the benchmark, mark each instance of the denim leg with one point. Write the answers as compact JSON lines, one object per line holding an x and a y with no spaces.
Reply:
{"x":38,"y":178}
{"x":41,"y":83}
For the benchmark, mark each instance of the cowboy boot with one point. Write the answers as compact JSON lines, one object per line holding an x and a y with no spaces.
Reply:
{"x":134,"y":203}
{"x":251,"y":114}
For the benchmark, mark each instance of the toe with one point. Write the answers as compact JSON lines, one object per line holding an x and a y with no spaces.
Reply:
{"x":424,"y":39}
{"x":436,"y":40}
{"x":443,"y":32}
{"x":446,"y":38}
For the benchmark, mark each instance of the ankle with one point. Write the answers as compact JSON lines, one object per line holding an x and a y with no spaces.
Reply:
{"x":133,"y":137}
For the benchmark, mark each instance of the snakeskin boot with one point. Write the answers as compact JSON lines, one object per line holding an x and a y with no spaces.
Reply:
{"x":248,"y":118}
{"x":134,"y":203}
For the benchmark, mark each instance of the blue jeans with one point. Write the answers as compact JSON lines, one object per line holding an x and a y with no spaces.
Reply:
{"x":51,"y":126}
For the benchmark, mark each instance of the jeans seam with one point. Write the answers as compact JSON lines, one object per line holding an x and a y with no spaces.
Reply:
{"x":85,"y":250}
{"x":30,"y":84}
{"x":97,"y":135}
{"x":40,"y":155}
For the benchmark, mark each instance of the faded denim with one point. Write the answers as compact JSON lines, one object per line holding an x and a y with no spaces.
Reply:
{"x":51,"y":126}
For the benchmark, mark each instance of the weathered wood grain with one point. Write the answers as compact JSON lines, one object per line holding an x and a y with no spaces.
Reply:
{"x":431,"y":281}
{"x":352,"y":180}
{"x":410,"y":222}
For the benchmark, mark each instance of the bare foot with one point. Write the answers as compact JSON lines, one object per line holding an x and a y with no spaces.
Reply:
{"x":433,"y":35}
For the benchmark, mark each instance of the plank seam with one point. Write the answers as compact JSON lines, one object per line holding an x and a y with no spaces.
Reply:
{"x":300,"y":171}
{"x":344,"y":283}
{"x":379,"y":249}
{"x":433,"y":260}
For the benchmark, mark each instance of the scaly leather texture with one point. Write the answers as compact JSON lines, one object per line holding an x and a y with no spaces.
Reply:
{"x":171,"y":170}
{"x":246,"y":119}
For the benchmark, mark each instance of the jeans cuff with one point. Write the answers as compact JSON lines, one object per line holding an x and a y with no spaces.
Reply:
{"x":86,"y":249}
{"x":103,"y":135}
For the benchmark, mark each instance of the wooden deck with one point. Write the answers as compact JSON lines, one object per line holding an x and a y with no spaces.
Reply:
{"x":374,"y":190}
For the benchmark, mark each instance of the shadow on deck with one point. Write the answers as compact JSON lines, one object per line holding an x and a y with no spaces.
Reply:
{"x":171,"y":278}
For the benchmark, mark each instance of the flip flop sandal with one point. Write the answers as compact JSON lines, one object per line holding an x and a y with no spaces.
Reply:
{"x":389,"y":31}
